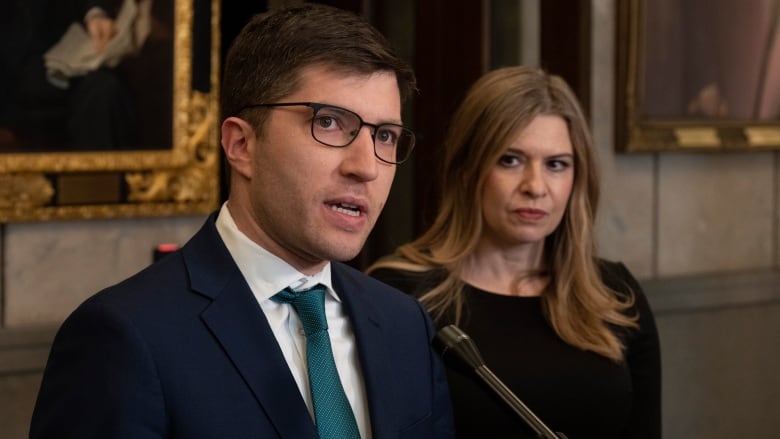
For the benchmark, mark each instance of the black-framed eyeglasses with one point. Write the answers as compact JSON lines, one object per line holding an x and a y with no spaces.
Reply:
{"x":338,"y":127}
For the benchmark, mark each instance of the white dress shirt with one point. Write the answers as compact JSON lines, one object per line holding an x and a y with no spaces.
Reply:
{"x":266,"y":275}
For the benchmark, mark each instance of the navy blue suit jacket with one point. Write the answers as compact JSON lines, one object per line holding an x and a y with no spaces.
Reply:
{"x":182,"y":349}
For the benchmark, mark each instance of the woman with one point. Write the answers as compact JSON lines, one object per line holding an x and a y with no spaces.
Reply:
{"x":511,"y":260}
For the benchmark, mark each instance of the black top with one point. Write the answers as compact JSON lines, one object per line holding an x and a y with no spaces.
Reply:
{"x":578,"y":393}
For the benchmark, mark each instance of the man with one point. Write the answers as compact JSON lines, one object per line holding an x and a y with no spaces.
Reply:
{"x":202,"y":344}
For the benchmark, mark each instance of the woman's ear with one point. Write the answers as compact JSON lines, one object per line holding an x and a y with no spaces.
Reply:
{"x":238,"y":142}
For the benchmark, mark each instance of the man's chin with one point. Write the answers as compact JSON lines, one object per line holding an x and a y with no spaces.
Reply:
{"x":345,"y":256}
{"x":343,"y":253}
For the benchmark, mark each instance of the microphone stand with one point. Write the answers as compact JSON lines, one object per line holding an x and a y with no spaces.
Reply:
{"x":541,"y":430}
{"x":451,"y":338}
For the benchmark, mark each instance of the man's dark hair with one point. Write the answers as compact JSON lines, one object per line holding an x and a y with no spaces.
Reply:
{"x":264,"y":62}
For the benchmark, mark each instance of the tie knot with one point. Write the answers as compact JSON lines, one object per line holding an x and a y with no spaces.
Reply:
{"x":308,"y":304}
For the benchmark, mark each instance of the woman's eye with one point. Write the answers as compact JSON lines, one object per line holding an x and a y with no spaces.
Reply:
{"x":509,"y":160}
{"x":558,"y":165}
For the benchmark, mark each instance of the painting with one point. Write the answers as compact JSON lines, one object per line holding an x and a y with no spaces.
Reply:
{"x":698,"y":75}
{"x":109,"y":109}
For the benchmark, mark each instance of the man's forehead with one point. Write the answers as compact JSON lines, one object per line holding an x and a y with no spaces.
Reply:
{"x":374,"y":96}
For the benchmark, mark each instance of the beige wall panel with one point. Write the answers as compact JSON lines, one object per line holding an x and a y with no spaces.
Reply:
{"x":715,"y":213}
{"x":52,"y":267}
{"x":17,"y":398}
{"x":720,"y":375}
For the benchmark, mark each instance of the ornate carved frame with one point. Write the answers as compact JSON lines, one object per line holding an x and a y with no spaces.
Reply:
{"x":638,"y":133}
{"x":180,"y":180}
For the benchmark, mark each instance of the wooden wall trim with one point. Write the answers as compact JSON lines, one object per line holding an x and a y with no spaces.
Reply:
{"x":450,"y":54}
{"x":566,"y":44}
{"x":24,"y":350}
{"x":707,"y":292}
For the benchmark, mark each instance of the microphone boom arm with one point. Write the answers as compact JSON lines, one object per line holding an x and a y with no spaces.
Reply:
{"x":516,"y":404}
{"x":452,"y":339}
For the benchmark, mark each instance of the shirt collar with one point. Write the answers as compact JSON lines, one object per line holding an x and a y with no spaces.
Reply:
{"x":266,"y":273}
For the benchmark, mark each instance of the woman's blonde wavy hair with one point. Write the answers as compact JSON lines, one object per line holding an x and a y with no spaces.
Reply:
{"x":580,"y":308}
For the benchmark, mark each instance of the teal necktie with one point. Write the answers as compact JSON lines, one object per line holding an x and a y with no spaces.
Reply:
{"x":333,"y":414}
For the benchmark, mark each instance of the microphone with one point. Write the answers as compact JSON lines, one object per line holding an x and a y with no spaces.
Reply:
{"x":450,"y":340}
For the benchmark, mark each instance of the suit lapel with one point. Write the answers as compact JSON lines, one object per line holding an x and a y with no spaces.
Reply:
{"x":375,"y":360}
{"x":236,"y":320}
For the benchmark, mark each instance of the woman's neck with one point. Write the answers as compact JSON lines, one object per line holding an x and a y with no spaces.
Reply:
{"x":516,"y":271}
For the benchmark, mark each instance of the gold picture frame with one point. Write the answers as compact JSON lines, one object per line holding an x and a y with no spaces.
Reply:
{"x":180,"y":179}
{"x":697,"y":76}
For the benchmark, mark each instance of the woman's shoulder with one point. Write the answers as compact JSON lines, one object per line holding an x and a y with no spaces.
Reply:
{"x":617,"y":277}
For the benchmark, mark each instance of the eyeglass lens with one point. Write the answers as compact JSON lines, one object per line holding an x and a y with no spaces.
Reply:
{"x":339,"y":127}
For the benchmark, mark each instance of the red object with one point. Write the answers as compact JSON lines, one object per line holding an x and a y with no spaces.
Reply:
{"x":167,"y":247}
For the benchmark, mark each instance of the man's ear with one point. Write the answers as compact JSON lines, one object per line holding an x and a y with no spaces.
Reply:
{"x":238,"y":142}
